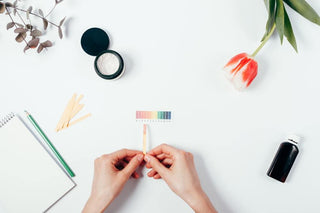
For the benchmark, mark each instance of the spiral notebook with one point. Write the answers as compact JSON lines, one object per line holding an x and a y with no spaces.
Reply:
{"x":30,"y":178}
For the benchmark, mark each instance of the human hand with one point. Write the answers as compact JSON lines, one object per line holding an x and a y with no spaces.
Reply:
{"x":111,"y":172}
{"x":177,"y":169}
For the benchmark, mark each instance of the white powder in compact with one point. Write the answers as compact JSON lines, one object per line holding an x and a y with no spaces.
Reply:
{"x":108,"y":64}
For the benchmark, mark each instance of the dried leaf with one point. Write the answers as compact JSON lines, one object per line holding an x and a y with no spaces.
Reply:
{"x":61,"y":22}
{"x":10,"y":25}
{"x":33,"y":43}
{"x":19,"y":25}
{"x":40,"y":48}
{"x":2,"y":7}
{"x":26,"y":48}
{"x":60,"y":33}
{"x":20,"y":37}
{"x":41,"y":13}
{"x":35,"y":33}
{"x":28,"y":12}
{"x":47,"y":44}
{"x":8,"y":4}
{"x":20,"y":30}
{"x":45,"y":23}
{"x":29,"y":26}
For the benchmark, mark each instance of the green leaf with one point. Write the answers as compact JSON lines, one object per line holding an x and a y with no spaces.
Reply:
{"x":264,"y":36}
{"x":266,"y":3}
{"x":302,"y":7}
{"x":280,"y":19}
{"x":272,"y":4}
{"x":271,"y":17}
{"x":288,"y":32}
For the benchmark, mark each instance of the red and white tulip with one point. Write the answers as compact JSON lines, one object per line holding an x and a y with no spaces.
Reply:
{"x":241,"y":70}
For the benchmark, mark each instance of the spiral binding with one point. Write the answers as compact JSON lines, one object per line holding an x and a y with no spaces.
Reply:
{"x":6,"y":119}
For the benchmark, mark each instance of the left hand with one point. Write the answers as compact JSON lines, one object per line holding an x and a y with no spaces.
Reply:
{"x":111,"y":172}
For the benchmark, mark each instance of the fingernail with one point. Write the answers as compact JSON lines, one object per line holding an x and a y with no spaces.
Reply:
{"x":147,"y":158}
{"x":140,"y":157}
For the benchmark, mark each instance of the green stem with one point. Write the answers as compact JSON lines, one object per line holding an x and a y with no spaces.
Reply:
{"x":264,"y":41}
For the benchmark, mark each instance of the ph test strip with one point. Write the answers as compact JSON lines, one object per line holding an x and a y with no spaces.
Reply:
{"x":144,"y":150}
{"x":154,"y":115}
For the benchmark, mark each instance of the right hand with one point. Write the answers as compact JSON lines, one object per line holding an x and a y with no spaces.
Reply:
{"x":177,"y":169}
{"x":111,"y":172}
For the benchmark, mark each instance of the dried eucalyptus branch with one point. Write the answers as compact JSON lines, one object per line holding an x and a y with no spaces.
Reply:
{"x":22,"y":34}
{"x":12,"y":10}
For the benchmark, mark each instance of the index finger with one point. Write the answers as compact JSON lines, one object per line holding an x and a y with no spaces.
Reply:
{"x":123,"y":153}
{"x":163,"y":148}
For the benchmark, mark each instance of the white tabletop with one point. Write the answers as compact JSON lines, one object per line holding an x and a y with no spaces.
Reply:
{"x":174,"y":51}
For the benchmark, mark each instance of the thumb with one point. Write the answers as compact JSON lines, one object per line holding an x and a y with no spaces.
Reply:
{"x":133,"y":165}
{"x":156,"y":165}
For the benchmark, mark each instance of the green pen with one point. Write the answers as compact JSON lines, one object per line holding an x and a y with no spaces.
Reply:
{"x":53,"y":149}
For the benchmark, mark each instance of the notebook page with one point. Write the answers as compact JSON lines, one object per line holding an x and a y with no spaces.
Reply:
{"x":30,"y":180}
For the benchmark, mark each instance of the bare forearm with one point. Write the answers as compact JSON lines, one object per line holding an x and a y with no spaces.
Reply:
{"x":200,"y":203}
{"x":96,"y":205}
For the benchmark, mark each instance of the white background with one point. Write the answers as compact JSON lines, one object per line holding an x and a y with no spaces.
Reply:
{"x":174,"y":51}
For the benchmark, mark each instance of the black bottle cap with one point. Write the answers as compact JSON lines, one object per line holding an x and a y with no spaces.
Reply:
{"x":94,"y":41}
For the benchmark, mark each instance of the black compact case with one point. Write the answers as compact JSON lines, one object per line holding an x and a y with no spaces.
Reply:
{"x":95,"y":42}
{"x":283,"y":160}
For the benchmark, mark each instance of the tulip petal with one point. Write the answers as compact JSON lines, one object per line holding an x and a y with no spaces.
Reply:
{"x":242,"y":63}
{"x":232,"y":64}
{"x":236,"y":59}
{"x":237,"y":80}
{"x":251,"y":72}
{"x":241,"y":70}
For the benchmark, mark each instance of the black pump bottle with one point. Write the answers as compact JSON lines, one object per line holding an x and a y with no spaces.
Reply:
{"x":284,"y":159}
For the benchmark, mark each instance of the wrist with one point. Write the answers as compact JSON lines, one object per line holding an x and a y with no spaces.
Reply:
{"x":97,"y":204}
{"x":200,"y":202}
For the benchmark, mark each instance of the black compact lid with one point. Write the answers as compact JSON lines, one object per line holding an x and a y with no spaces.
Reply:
{"x":94,"y":41}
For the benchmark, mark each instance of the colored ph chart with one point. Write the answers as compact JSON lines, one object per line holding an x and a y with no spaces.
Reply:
{"x":153,"y":116}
